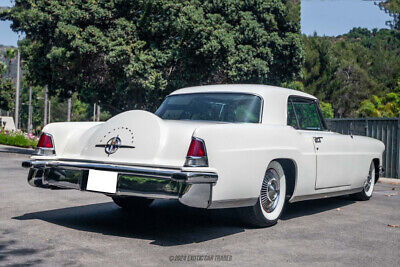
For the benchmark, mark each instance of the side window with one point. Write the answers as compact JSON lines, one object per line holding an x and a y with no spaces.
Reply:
{"x":303,"y":114}
{"x":291,"y":119}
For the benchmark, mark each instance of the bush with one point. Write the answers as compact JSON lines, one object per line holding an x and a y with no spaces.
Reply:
{"x":327,"y":110}
{"x":17,"y":138}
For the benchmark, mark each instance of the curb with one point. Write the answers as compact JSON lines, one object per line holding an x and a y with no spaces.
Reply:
{"x":17,"y":150}
{"x":389,"y":181}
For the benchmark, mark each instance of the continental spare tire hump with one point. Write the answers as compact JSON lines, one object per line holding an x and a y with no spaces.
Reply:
{"x":128,"y":135}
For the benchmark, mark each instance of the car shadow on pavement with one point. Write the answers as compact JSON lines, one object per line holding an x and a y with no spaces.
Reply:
{"x":167,"y":223}
{"x":310,"y":207}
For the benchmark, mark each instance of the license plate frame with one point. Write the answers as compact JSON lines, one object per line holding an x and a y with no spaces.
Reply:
{"x":102,"y":181}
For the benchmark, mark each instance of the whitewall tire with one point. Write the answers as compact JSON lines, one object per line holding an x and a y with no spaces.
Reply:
{"x":368,"y":187}
{"x":271,"y":201}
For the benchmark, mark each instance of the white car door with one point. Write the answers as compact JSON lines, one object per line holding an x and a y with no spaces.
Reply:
{"x":333,"y":151}
{"x":334,"y":160}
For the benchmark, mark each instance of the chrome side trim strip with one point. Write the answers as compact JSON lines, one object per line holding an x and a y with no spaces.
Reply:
{"x":233,"y":203}
{"x":326,"y":195}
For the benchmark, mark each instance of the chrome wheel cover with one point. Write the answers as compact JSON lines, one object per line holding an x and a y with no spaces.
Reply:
{"x":270,"y":190}
{"x":368,"y":182}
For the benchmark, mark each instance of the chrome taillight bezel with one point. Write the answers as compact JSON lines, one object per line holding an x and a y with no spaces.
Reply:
{"x":196,"y":161}
{"x":45,"y":151}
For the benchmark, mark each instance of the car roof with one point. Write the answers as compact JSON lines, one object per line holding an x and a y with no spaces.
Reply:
{"x":265,"y":91}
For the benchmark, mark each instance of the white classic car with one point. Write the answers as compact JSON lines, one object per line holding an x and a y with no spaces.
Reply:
{"x":252,"y":147}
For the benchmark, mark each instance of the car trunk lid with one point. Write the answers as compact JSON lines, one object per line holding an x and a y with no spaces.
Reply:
{"x":140,"y":138}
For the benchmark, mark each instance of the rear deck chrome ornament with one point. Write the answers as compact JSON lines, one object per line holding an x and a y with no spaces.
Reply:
{"x":113,"y":145}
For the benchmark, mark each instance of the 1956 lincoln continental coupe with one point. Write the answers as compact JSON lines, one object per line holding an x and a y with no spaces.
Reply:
{"x":252,"y":147}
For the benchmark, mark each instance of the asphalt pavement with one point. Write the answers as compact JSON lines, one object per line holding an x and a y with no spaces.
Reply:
{"x":72,"y":228}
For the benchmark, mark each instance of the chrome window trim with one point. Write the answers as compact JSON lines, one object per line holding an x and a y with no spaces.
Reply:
{"x":316,"y":105}
{"x":227,"y":92}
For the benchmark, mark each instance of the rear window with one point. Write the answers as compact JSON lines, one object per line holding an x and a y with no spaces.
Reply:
{"x":224,"y":107}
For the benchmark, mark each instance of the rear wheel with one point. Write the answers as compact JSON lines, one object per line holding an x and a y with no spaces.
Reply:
{"x":271,"y":201}
{"x":369,"y":184}
{"x":131,"y":203}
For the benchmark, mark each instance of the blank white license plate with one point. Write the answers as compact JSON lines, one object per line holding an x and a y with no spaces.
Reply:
{"x":102,"y":181}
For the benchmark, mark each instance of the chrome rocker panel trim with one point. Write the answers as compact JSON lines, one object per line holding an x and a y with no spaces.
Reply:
{"x":190,"y":188}
{"x":326,"y":195}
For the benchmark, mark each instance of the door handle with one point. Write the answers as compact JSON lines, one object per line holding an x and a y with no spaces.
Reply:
{"x":318,"y":139}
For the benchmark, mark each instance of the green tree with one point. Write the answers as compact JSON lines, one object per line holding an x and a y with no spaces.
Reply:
{"x":3,"y":69}
{"x":346,"y":70}
{"x":6,"y":90}
{"x":327,"y":110}
{"x":386,"y":106}
{"x":6,"y":94}
{"x":10,"y":54}
{"x":130,"y":54}
{"x":393,"y":5}
{"x":295,"y":85}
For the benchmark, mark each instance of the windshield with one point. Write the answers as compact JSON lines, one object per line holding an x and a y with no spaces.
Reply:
{"x":224,"y":107}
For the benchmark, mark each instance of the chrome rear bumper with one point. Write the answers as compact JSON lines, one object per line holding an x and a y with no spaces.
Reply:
{"x":190,"y":188}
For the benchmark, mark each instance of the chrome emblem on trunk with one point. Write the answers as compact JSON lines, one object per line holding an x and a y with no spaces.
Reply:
{"x":113,"y":145}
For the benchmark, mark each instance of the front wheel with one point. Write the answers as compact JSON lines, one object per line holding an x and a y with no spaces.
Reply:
{"x":271,"y":201}
{"x":369,"y":184}
{"x":131,"y":203}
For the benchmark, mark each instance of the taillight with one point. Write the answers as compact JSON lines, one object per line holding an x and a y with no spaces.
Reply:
{"x":45,"y":146}
{"x":196,"y":148}
{"x":45,"y":141}
{"x":196,"y":155}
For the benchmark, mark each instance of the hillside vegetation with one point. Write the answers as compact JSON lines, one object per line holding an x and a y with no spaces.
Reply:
{"x":393,"y":5}
{"x":347,"y":70}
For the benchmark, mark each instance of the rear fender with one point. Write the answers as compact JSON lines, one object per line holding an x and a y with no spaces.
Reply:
{"x":64,"y":133}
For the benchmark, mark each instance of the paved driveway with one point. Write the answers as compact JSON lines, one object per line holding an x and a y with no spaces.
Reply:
{"x":75,"y":228}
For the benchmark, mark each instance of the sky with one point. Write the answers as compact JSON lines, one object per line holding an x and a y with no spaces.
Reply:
{"x":7,"y":36}
{"x":336,"y":17}
{"x":326,"y":17}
